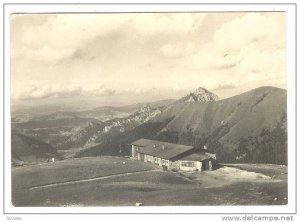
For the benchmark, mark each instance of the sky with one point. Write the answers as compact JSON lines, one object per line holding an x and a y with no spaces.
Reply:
{"x":118,"y":59}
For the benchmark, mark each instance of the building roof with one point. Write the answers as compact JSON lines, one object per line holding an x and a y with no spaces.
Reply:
{"x":162,"y":149}
{"x":206,"y":151}
{"x":196,"y":157}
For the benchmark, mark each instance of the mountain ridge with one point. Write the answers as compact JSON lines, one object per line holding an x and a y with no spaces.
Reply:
{"x":224,"y":124}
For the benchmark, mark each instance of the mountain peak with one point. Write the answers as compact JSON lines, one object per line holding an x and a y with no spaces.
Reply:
{"x":201,"y":90}
{"x":200,"y":95}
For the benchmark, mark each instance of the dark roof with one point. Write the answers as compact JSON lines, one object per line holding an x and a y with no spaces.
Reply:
{"x":206,"y":150}
{"x":196,"y":157}
{"x":162,"y":149}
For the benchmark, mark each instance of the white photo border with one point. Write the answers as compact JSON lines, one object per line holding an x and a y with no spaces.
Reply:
{"x":291,"y":12}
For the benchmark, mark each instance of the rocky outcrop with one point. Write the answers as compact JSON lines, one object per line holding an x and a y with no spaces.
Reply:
{"x":200,"y":95}
{"x":92,"y":133}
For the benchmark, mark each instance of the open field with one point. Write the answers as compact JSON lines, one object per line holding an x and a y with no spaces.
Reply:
{"x":117,"y":181}
{"x":272,"y":170}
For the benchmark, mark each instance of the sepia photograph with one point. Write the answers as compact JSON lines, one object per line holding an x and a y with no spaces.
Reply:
{"x":148,"y":109}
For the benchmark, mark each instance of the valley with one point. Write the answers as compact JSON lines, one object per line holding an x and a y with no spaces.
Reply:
{"x":68,"y":132}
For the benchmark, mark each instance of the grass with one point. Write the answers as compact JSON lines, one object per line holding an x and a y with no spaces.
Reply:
{"x":272,"y":170}
{"x":75,"y":169}
{"x":152,"y":188}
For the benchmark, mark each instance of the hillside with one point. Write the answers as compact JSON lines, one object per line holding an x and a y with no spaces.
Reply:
{"x":117,"y":144}
{"x":27,"y":149}
{"x":257,"y":109}
{"x":55,"y":116}
{"x":235,"y":126}
{"x":250,"y":127}
{"x":137,"y":106}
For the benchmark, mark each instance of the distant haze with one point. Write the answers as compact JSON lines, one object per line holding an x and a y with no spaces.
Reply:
{"x":118,"y":59}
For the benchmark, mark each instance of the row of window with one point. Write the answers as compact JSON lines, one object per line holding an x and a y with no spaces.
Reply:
{"x":187,"y":164}
{"x":156,"y":160}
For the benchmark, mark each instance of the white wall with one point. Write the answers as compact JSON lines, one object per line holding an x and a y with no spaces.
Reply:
{"x":133,"y":151}
{"x":197,"y":165}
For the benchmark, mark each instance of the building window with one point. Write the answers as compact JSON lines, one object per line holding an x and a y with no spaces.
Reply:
{"x":187,"y":164}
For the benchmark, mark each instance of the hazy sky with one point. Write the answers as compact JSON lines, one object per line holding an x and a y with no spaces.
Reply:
{"x":128,"y":58}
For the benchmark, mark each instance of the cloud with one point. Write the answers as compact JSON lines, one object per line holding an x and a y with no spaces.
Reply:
{"x":42,"y":92}
{"x":84,"y":90}
{"x":224,"y":87}
{"x":250,"y":28}
{"x":250,"y":49}
{"x":47,"y":53}
{"x":61,"y":91}
{"x":81,"y":54}
{"x":178,"y":49}
{"x":100,"y":91}
{"x":226,"y":61}
{"x":167,"y":23}
{"x":60,"y":35}
{"x":225,"y":66}
{"x":137,"y":51}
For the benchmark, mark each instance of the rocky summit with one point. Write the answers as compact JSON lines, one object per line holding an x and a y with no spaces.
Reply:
{"x":200,"y":95}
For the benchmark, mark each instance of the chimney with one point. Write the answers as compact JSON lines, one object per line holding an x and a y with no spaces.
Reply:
{"x":205,"y":147}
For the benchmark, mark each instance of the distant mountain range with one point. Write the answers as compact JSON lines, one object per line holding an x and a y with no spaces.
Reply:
{"x":76,"y":129}
{"x":93,"y":133}
{"x":250,"y":127}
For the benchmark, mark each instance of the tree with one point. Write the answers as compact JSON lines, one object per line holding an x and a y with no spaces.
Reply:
{"x":242,"y":152}
{"x":168,"y":136}
{"x":272,"y":147}
{"x":219,"y":150}
{"x":187,"y":137}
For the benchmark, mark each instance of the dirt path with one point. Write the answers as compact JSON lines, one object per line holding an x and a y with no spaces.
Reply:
{"x":90,"y":179}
